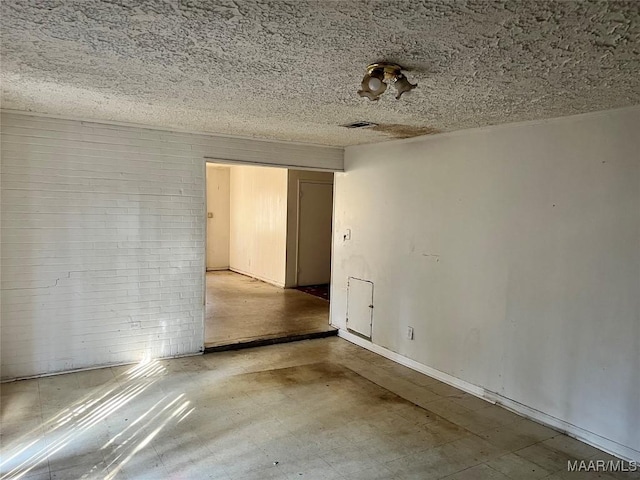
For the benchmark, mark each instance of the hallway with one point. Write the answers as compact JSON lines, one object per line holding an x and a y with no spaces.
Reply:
{"x":242,"y":309}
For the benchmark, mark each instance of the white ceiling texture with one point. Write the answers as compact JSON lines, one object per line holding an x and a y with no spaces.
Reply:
{"x":290,"y":70}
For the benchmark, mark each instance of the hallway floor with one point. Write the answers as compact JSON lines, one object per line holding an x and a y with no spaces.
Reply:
{"x":319,"y":409}
{"x":242,"y":309}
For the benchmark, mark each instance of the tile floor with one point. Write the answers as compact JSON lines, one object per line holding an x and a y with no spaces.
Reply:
{"x":242,"y":309}
{"x":317,"y":409}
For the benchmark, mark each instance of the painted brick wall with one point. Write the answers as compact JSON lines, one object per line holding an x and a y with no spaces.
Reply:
{"x":103,"y":239}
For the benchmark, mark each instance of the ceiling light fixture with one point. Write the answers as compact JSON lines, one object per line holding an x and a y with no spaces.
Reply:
{"x":374,"y":85}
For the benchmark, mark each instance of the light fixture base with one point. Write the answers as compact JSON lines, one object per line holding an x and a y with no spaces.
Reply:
{"x":390,"y":70}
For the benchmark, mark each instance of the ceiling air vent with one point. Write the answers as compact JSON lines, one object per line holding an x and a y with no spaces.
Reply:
{"x":360,"y":125}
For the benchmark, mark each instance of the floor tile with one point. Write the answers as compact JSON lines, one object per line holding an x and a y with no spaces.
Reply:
{"x":570,"y":447}
{"x":83,"y":471}
{"x":444,"y":390}
{"x":377,"y":472}
{"x":591,"y":475}
{"x":470,"y":402}
{"x":517,"y":467}
{"x":507,"y":438}
{"x":448,"y":409}
{"x":434,"y":463}
{"x":313,"y":410}
{"x":241,"y":308}
{"x":616,"y":463}
{"x":532,"y":429}
{"x":547,"y":458}
{"x":479,"y":472}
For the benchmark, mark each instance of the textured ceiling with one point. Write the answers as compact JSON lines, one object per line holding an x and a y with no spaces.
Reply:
{"x":290,"y":69}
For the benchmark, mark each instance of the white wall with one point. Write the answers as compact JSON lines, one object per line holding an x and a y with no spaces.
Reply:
{"x":258,"y":241}
{"x":293,"y":205}
{"x":514,"y":253}
{"x":218,"y":217}
{"x":103,"y":239}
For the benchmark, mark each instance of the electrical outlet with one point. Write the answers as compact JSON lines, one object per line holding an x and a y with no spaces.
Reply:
{"x":409,"y":333}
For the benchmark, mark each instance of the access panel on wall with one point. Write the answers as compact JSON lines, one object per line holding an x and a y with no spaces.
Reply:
{"x":360,"y":307}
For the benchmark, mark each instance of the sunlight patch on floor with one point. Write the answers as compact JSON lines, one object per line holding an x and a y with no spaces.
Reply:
{"x":76,"y":421}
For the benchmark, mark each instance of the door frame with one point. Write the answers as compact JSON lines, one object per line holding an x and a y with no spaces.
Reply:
{"x":224,"y":161}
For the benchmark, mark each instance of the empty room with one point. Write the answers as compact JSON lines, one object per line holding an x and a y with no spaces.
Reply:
{"x":320,"y":239}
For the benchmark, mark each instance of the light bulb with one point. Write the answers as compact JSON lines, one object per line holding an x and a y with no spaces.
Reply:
{"x":375,"y":84}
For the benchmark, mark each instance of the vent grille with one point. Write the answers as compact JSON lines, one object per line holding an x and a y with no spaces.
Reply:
{"x":360,"y":124}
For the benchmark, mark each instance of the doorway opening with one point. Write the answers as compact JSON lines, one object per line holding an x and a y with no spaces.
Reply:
{"x":268,"y":255}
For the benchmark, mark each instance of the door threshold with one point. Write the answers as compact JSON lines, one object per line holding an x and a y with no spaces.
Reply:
{"x":270,"y":341}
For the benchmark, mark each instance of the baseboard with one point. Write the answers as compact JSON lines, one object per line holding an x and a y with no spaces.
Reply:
{"x":412,"y":364}
{"x":258,"y":277}
{"x":593,"y":439}
{"x":95,"y":367}
{"x":586,"y":436}
{"x":217,"y":269}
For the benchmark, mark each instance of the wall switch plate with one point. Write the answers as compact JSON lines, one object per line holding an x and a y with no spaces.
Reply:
{"x":409,"y":333}
{"x":347,"y":235}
